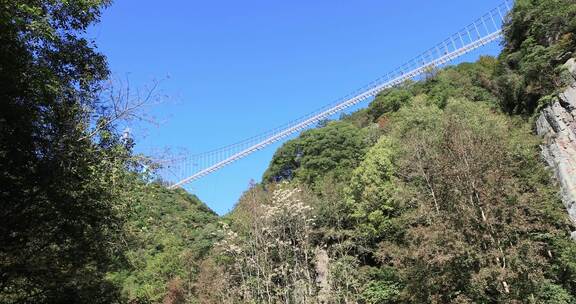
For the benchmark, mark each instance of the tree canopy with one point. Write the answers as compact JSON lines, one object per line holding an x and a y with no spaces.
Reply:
{"x":336,"y":148}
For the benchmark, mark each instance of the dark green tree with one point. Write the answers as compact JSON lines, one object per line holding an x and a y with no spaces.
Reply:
{"x":389,"y":101}
{"x":58,"y":221}
{"x":540,"y":37}
{"x":336,"y":148}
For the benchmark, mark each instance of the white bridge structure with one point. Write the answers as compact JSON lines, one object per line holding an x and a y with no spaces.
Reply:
{"x":481,"y":32}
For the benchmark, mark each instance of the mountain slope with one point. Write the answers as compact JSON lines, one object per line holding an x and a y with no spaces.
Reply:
{"x":168,"y":233}
{"x":436,"y":193}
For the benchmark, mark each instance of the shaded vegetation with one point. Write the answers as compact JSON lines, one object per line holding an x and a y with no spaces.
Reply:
{"x":167,"y":233}
{"x":78,"y":222}
{"x":58,"y":224}
{"x":540,"y":37}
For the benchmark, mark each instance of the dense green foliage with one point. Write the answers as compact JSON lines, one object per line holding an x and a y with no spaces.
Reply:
{"x":540,"y":37}
{"x":168,"y":233}
{"x":473,"y":240}
{"x":57,"y":218}
{"x":446,"y":199}
{"x":334,"y":149}
{"x":78,"y":223}
{"x":451,"y":205}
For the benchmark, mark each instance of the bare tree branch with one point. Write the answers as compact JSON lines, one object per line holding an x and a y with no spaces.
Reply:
{"x":120,"y":104}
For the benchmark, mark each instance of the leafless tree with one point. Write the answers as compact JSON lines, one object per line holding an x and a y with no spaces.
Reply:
{"x":120,"y":104}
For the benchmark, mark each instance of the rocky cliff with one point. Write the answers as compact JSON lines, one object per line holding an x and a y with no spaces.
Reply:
{"x":557,"y":124}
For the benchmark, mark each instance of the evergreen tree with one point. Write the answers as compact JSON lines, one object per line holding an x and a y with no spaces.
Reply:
{"x":58,"y":224}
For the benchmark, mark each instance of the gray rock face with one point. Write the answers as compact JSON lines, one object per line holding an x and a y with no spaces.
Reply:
{"x":557,"y":124}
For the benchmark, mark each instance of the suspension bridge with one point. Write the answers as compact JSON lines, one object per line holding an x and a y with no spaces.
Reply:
{"x":483,"y":31}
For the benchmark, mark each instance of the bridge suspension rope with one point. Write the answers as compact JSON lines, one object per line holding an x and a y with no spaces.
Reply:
{"x":482,"y":31}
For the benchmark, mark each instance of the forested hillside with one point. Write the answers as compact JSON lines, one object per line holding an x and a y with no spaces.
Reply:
{"x":167,"y":234}
{"x":437,"y":192}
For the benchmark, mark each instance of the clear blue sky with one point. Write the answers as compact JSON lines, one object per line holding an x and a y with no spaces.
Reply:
{"x":238,"y":68}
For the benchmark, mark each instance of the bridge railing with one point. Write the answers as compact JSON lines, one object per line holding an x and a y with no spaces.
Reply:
{"x":482,"y":31}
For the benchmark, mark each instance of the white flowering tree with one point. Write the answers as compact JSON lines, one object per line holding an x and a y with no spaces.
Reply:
{"x":271,"y":262}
